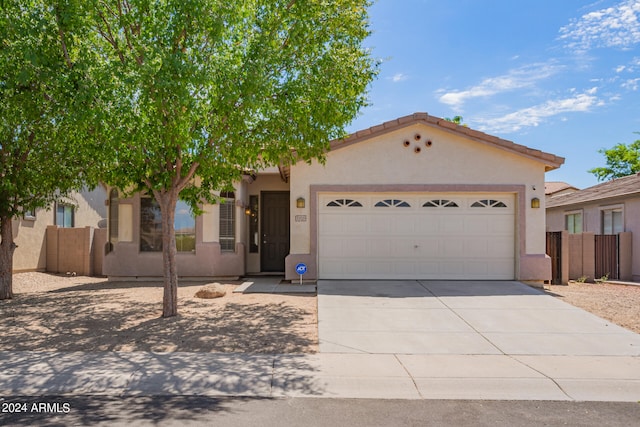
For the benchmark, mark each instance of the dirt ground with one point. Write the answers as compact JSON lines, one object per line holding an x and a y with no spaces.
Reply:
{"x":619,"y":304}
{"x":60,"y":313}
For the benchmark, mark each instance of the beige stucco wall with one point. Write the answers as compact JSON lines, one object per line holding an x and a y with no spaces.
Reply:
{"x":451,"y":160}
{"x":30,"y":234}
{"x":126,"y":260}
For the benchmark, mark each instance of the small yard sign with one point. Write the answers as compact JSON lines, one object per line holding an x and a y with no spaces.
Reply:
{"x":301,"y":268}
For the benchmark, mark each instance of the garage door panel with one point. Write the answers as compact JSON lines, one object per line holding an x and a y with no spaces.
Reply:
{"x":502,"y":226}
{"x":451,"y":225}
{"x":378,"y":248}
{"x":334,"y":224}
{"x":453,"y":247}
{"x":435,"y":242}
{"x":476,"y":248}
{"x":331,"y":248}
{"x":427,"y":225}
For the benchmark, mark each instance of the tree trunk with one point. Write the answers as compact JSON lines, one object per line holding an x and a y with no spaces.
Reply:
{"x":168,"y":203}
{"x":7,"y":247}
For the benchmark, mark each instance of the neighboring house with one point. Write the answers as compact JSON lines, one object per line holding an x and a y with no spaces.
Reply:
{"x":81,"y":209}
{"x":413,"y":198}
{"x":554,"y":189}
{"x":611,"y":207}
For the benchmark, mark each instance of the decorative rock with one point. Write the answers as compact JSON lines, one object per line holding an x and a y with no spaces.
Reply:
{"x":212,"y":290}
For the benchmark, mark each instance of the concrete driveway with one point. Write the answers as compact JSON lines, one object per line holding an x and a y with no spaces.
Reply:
{"x":468,"y":340}
{"x":460,"y":317}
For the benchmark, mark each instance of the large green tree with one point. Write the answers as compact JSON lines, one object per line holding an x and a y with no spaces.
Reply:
{"x":622,"y":160}
{"x":43,"y":144}
{"x":200,"y":91}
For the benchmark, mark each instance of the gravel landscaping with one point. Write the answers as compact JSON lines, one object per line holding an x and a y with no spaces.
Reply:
{"x":63,"y":313}
{"x":619,"y":304}
{"x":60,"y":313}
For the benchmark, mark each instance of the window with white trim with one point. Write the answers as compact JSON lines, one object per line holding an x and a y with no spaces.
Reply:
{"x":184,"y":224}
{"x":442,"y":203}
{"x":392,"y":203}
{"x":612,"y":221}
{"x":345,"y":202}
{"x":227,"y":222}
{"x":113,"y":215}
{"x":151,"y":226}
{"x":64,"y":215}
{"x":573,"y":222}
{"x":488,"y":203}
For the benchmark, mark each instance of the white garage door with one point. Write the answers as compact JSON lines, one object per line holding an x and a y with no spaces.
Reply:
{"x":416,"y":236}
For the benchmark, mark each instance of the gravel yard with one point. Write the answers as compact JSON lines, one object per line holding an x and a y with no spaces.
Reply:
{"x":619,"y":304}
{"x":60,"y":313}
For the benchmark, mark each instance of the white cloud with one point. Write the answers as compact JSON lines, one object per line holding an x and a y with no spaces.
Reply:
{"x":620,"y":68}
{"x":514,"y":79}
{"x":398,"y":77}
{"x":533,"y":116}
{"x":617,"y":26}
{"x":632,"y":84}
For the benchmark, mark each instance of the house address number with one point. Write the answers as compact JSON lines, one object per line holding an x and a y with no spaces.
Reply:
{"x":301,"y":218}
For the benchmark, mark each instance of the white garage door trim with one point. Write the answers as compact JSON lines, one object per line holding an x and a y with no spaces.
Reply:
{"x":416,"y":235}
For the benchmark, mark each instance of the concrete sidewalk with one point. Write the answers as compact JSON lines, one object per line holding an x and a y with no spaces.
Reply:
{"x":332,"y":375}
{"x":404,"y":340}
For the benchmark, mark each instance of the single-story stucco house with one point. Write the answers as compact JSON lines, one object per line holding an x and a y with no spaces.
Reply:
{"x":413,"y":198}
{"x":83,"y":209}
{"x":611,"y":207}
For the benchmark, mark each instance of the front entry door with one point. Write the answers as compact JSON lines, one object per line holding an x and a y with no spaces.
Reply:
{"x":275,"y":230}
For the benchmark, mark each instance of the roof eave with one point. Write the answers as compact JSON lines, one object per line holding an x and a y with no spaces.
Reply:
{"x":550,"y":161}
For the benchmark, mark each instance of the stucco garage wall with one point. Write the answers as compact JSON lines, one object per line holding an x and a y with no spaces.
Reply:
{"x":450,"y":163}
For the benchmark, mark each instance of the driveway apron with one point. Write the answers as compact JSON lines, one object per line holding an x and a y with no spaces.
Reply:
{"x":460,"y":317}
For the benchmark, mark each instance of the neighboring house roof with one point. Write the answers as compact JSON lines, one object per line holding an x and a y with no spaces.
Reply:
{"x":550,"y":161}
{"x":618,"y":187}
{"x":553,"y":187}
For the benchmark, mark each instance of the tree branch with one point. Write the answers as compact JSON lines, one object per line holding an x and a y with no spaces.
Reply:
{"x":63,"y":43}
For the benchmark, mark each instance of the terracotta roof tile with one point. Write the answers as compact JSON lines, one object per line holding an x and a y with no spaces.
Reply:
{"x":551,"y":187}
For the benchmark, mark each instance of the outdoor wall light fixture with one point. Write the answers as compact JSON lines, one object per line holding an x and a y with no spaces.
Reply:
{"x":535,"y":203}
{"x":300,"y":203}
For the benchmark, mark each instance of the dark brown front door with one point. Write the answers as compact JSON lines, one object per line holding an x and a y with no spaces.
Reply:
{"x":275,"y":230}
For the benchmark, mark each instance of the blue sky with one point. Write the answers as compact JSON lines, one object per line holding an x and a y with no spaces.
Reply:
{"x":562,"y":76}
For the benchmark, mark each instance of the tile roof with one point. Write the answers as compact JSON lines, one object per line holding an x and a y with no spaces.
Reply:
{"x":551,"y":161}
{"x":551,"y":187}
{"x":619,"y":187}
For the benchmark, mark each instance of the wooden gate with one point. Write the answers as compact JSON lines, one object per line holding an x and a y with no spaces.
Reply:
{"x":554,"y":250}
{"x":606,"y":256}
